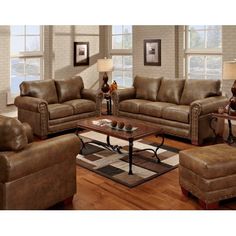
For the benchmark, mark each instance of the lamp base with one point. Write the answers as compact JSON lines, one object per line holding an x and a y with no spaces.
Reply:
{"x":105,"y":87}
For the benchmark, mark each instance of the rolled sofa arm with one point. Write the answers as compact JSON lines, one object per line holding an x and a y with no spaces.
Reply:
{"x":94,"y":95}
{"x":123,"y":94}
{"x":30,"y":103}
{"x":200,"y":112}
{"x":89,"y":94}
{"x":208,"y":105}
{"x":119,"y":95}
{"x":37,"y":156}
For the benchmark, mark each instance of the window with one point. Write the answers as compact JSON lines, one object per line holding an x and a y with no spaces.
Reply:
{"x":203,"y":52}
{"x":121,"y":52}
{"x":26,"y":55}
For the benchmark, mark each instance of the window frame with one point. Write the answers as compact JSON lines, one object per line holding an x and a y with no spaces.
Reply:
{"x":119,"y":52}
{"x":198,"y":52}
{"x":28,"y":55}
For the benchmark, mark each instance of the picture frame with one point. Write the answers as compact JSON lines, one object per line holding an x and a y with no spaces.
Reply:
{"x":81,"y":53}
{"x":152,"y":52}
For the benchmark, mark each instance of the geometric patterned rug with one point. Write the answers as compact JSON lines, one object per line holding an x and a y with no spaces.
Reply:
{"x":115,"y":166}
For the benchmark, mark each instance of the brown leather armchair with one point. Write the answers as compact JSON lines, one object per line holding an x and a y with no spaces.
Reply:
{"x":35,"y":175}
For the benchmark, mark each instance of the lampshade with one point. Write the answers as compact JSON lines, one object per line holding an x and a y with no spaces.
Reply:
{"x":104,"y":65}
{"x":229,"y":71}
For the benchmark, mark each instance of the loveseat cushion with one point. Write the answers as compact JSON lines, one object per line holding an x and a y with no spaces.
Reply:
{"x":44,"y":89}
{"x":170,"y":90}
{"x":153,"y":108}
{"x":195,"y":89}
{"x":59,"y":110}
{"x":12,"y":134}
{"x":146,"y":88}
{"x":176,"y":113}
{"x":81,"y":105}
{"x":132,"y":105}
{"x":69,"y":89}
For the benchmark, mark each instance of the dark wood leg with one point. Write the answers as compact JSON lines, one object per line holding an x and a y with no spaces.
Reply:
{"x":68,"y":200}
{"x":185,"y":192}
{"x":208,"y":206}
{"x":108,"y":112}
{"x":130,"y":156}
{"x":110,"y":108}
{"x":43,"y":137}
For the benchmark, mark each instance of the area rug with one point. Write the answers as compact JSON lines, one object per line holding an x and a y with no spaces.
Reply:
{"x":115,"y":166}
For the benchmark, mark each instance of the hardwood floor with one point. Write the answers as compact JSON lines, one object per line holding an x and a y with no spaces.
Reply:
{"x":95,"y":192}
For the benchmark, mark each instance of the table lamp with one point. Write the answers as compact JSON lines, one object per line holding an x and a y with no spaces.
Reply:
{"x":105,"y":65}
{"x":229,"y":73}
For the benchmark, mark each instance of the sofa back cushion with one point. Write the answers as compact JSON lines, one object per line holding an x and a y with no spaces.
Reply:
{"x":12,"y":134}
{"x":69,"y":89}
{"x":171,"y":90}
{"x":195,"y":89}
{"x":146,"y":88}
{"x":44,"y":89}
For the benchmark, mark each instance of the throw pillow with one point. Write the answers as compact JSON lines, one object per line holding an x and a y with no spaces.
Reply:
{"x":195,"y":89}
{"x":12,"y":134}
{"x":69,"y":89}
{"x":170,"y":90}
{"x":44,"y":89}
{"x":146,"y":88}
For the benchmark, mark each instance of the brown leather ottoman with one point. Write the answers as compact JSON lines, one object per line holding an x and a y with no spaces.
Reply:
{"x":209,"y":173}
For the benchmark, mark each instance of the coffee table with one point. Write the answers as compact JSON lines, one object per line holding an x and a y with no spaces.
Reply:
{"x":144,"y":129}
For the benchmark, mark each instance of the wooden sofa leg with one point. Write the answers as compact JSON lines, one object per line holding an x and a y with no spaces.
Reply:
{"x":185,"y":192}
{"x":208,"y":206}
{"x":68,"y":201}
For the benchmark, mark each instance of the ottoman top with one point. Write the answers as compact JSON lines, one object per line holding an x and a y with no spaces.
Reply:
{"x":211,"y":161}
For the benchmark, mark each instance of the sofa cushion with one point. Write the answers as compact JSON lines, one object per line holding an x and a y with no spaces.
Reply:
{"x":12,"y":134}
{"x":132,"y":105}
{"x":59,"y":110}
{"x":69,"y":89}
{"x":44,"y":89}
{"x":146,"y":88}
{"x":153,"y":108}
{"x":195,"y":89}
{"x":177,"y":113}
{"x":81,"y":105}
{"x":170,"y":90}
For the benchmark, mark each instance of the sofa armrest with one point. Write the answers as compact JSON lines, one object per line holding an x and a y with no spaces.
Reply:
{"x":37,"y":156}
{"x":123,"y":94}
{"x":119,"y":95}
{"x":30,"y":103}
{"x":90,"y":94}
{"x":94,"y":95}
{"x":200,"y":113}
{"x":208,"y":105}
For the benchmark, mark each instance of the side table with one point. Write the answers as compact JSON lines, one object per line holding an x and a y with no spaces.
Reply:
{"x":108,"y":100}
{"x":215,"y":116}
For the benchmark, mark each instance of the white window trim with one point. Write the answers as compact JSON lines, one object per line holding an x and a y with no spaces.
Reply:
{"x":200,"y":52}
{"x":118,"y":52}
{"x":25,"y":55}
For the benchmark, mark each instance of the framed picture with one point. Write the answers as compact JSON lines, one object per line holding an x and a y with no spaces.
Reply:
{"x":81,"y":53}
{"x":152,"y":52}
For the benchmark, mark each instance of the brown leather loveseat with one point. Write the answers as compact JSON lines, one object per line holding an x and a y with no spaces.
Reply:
{"x":181,"y":107}
{"x":35,"y":175}
{"x":50,"y":106}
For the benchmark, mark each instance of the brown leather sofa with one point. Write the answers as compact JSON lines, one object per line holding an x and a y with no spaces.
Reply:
{"x":181,"y":107}
{"x":50,"y":106}
{"x":35,"y":175}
